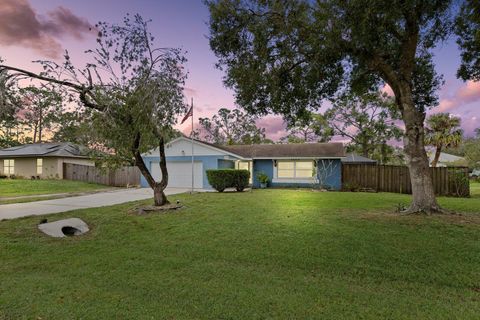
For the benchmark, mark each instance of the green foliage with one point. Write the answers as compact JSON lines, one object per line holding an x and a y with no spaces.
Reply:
{"x":460,"y":183}
{"x":220,"y":179}
{"x":262,"y":178}
{"x":41,"y":111}
{"x":311,"y":128}
{"x":230,"y":127}
{"x":75,"y":127}
{"x":467,"y":28}
{"x":368,"y":120}
{"x":350,"y":187}
{"x":286,"y":56}
{"x":443,"y":130}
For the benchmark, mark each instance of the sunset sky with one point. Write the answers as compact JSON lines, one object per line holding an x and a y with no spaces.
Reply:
{"x":40,"y":29}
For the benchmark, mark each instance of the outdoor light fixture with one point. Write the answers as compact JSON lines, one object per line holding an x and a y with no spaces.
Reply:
{"x":274,"y":163}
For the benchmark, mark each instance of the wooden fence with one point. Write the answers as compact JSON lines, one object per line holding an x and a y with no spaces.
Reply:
{"x":122,"y":177}
{"x":447,"y":181}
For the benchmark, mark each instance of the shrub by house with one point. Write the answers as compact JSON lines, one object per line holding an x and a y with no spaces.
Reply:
{"x":221,"y":179}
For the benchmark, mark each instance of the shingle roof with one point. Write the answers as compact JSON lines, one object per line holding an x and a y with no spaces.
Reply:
{"x":60,"y":149}
{"x":355,"y":158}
{"x":445,"y":157}
{"x":291,"y":150}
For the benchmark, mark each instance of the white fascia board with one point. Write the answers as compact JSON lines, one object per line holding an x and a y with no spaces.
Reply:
{"x":199,"y":143}
{"x":295,"y":158}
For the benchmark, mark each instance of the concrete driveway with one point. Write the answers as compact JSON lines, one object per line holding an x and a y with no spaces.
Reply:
{"x":102,"y":199}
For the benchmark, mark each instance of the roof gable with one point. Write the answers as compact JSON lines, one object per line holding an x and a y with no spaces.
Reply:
{"x":182,"y":146}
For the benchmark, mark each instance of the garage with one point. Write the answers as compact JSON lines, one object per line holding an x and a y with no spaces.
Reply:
{"x":180,"y":174}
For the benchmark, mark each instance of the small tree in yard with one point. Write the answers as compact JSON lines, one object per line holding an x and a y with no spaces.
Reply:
{"x":325,"y":170}
{"x":287,"y":56}
{"x":135,"y":92}
{"x":443,"y":131}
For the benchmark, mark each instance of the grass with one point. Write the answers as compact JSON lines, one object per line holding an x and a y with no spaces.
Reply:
{"x":267,"y":254}
{"x":21,"y":187}
{"x":475,"y":189}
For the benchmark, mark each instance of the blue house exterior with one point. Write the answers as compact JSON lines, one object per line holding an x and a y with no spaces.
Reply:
{"x":286,"y":165}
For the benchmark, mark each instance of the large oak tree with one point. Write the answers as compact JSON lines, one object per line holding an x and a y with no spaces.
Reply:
{"x":287,"y":56}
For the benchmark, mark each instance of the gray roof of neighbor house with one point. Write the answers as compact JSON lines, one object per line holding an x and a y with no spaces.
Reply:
{"x":54,"y":149}
{"x":355,"y":158}
{"x":291,"y":150}
{"x":444,"y":157}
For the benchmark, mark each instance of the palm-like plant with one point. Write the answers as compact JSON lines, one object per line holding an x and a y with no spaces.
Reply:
{"x":442,"y":131}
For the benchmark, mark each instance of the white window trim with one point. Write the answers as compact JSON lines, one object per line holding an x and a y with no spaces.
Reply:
{"x":276,"y":179}
{"x":11,"y":164}
{"x":250,"y":167}
{"x":37,"y":166}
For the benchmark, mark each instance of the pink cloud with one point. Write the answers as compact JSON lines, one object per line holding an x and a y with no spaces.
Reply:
{"x":275,"y":127}
{"x":21,"y":25}
{"x":469,"y":124}
{"x":190,"y":92}
{"x":446,"y":105}
{"x":467,"y":94}
{"x":470,"y":92}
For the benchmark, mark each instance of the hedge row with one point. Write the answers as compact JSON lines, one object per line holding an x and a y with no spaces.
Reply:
{"x":228,"y":178}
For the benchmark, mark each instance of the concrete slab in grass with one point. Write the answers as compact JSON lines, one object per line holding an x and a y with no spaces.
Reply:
{"x":64,"y":228}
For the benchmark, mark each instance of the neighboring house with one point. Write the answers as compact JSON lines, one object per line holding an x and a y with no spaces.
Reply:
{"x":447,"y":160}
{"x":353,"y":158}
{"x":44,"y":160}
{"x":287,"y":165}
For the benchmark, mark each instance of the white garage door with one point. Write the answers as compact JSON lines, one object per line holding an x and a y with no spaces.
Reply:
{"x":180,"y":174}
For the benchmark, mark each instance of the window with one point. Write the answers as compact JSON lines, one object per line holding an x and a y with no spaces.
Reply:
{"x":244,"y":165}
{"x":286,"y":169}
{"x":295,"y":169}
{"x":8,"y":166}
{"x":39,"y":166}
{"x":303,"y":169}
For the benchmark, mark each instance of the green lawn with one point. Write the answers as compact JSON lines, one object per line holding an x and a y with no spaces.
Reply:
{"x":268,"y":254}
{"x":22,"y":187}
{"x":475,"y":189}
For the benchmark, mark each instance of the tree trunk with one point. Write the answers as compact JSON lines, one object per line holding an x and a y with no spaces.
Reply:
{"x":35,"y":134}
{"x":438,"y":150}
{"x":40,"y":125}
{"x":365,"y":147}
{"x":158,"y":188}
{"x":163,"y":167}
{"x":423,"y":193}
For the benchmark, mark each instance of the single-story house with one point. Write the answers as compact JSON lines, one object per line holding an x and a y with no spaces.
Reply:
{"x":353,"y":158}
{"x":286,"y":165}
{"x":44,"y":160}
